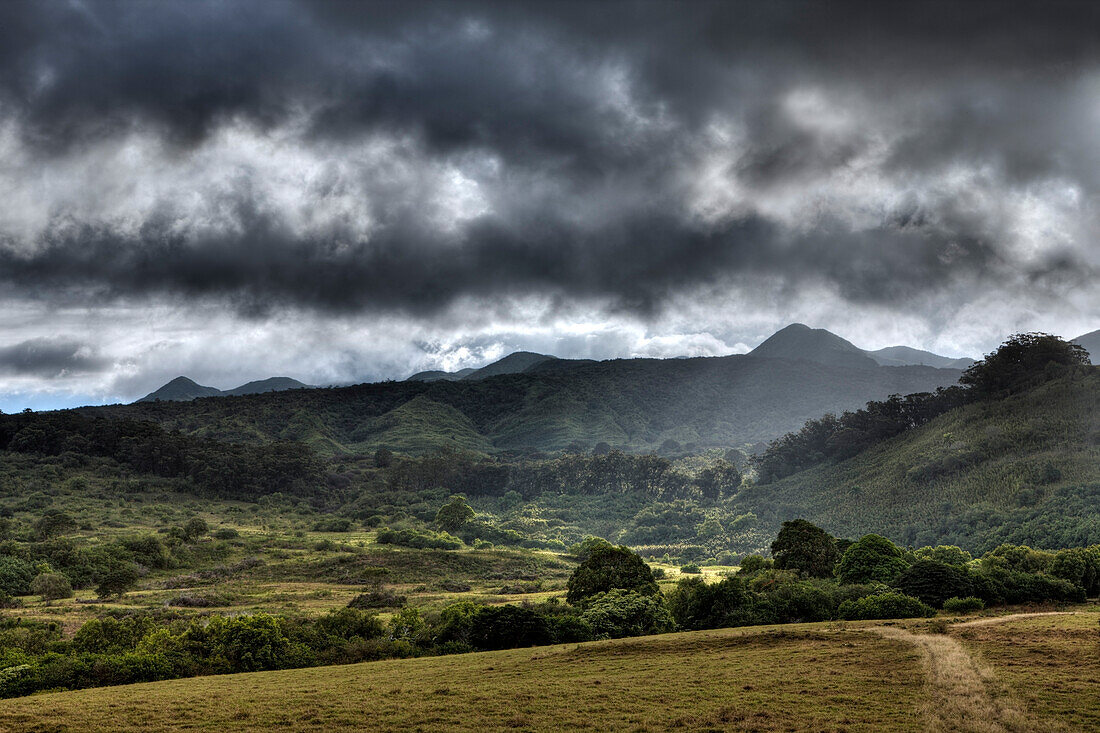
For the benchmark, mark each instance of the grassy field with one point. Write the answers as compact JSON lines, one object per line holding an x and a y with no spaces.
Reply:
{"x":795,"y":677}
{"x":1016,"y":674}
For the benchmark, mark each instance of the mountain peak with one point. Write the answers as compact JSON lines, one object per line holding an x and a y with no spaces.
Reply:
{"x":799,"y":341}
{"x":179,"y":389}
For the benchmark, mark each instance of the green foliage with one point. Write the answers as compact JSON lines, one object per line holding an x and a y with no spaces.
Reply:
{"x":947,"y":554}
{"x":691,"y":568}
{"x":884,"y":605}
{"x":934,"y":582}
{"x":15,"y":576}
{"x":752,"y":564}
{"x":454,"y":514}
{"x":607,"y":568}
{"x":1021,"y":362}
{"x":52,"y":586}
{"x":806,"y":548}
{"x":419,"y":539}
{"x":1080,"y":566}
{"x":963,"y":605}
{"x":695,"y":604}
{"x":618,"y":613}
{"x":117,"y":577}
{"x":871,"y":559}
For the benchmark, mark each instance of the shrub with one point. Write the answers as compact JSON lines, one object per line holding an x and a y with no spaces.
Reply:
{"x":618,"y":613}
{"x":751,"y":564}
{"x":377,"y":599}
{"x":225,"y":533}
{"x":963,"y":605}
{"x":420,"y":540}
{"x":52,"y":586}
{"x":15,"y":576}
{"x":691,"y":568}
{"x":695,"y":604}
{"x":885,"y":605}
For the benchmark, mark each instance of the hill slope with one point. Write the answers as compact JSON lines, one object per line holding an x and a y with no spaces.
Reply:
{"x":905,"y":355}
{"x":799,"y":341}
{"x":1024,"y":469}
{"x":637,"y":404}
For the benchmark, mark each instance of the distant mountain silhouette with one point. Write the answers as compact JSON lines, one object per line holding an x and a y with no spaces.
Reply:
{"x":800,"y":342}
{"x":515,"y":363}
{"x":1091,"y":342}
{"x":908,"y":356}
{"x":436,"y":375}
{"x":182,"y":389}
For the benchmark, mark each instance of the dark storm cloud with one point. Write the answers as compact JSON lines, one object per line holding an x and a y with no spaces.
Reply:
{"x":46,"y":357}
{"x":602,"y":104}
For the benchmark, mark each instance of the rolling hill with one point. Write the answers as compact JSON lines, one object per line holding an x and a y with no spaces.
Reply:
{"x":1091,"y":343}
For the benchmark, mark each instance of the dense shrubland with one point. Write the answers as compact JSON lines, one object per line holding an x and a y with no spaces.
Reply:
{"x":612,"y":593}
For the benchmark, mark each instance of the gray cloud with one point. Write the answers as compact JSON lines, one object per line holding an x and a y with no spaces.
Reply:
{"x":431,"y":161}
{"x":50,"y":357}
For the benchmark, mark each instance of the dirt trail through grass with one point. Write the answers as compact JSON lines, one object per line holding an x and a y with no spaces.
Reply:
{"x":963,"y":695}
{"x":1011,"y":617}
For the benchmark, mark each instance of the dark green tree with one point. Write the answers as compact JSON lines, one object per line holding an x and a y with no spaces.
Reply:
{"x":934,"y":582}
{"x":805,"y":547}
{"x":1021,"y":362}
{"x":116,"y":578}
{"x":51,"y":586}
{"x":873,"y":558}
{"x":454,"y":514}
{"x":606,"y":568}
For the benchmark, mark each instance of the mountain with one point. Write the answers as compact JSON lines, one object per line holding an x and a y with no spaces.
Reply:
{"x":1091,"y":343}
{"x":182,"y":389}
{"x":515,"y":363}
{"x":271,"y":384}
{"x":1024,"y":469}
{"x":435,"y":375}
{"x":906,"y":355}
{"x":635,"y":404}
{"x":798,"y":341}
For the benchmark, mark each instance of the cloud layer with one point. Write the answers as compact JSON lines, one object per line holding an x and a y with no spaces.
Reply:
{"x":405,"y":185}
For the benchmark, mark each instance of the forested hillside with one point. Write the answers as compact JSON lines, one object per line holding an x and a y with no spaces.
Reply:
{"x":635,"y":404}
{"x":1024,"y":468}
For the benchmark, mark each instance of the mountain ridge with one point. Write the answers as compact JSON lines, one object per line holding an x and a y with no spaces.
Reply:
{"x":183,"y":389}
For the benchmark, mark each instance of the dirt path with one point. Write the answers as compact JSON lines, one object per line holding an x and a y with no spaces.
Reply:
{"x":1011,"y":617}
{"x":963,"y":695}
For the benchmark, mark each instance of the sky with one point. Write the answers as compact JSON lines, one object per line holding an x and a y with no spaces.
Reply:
{"x":343,"y":192}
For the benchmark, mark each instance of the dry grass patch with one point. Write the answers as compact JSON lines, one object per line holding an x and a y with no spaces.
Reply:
{"x":794,"y":678}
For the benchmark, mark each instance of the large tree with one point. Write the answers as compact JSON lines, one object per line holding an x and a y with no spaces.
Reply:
{"x":805,"y":547}
{"x":1021,"y":362}
{"x":606,"y":568}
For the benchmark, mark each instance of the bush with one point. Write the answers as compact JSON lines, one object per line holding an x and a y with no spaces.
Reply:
{"x":885,"y":605}
{"x":963,"y":605}
{"x":15,"y":576}
{"x":691,"y":568}
{"x":377,"y":599}
{"x":420,"y":540}
{"x":52,"y":586}
{"x":225,"y":533}
{"x":618,"y":613}
{"x":695,"y":604}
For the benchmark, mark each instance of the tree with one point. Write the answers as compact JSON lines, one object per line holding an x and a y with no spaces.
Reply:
{"x":934,"y":582}
{"x":696,"y":604}
{"x":1021,"y":362}
{"x":15,"y":576}
{"x":805,"y":547}
{"x":872,"y":559}
{"x":454,"y":514}
{"x":606,"y":568}
{"x":52,"y":586}
{"x":116,"y":578}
